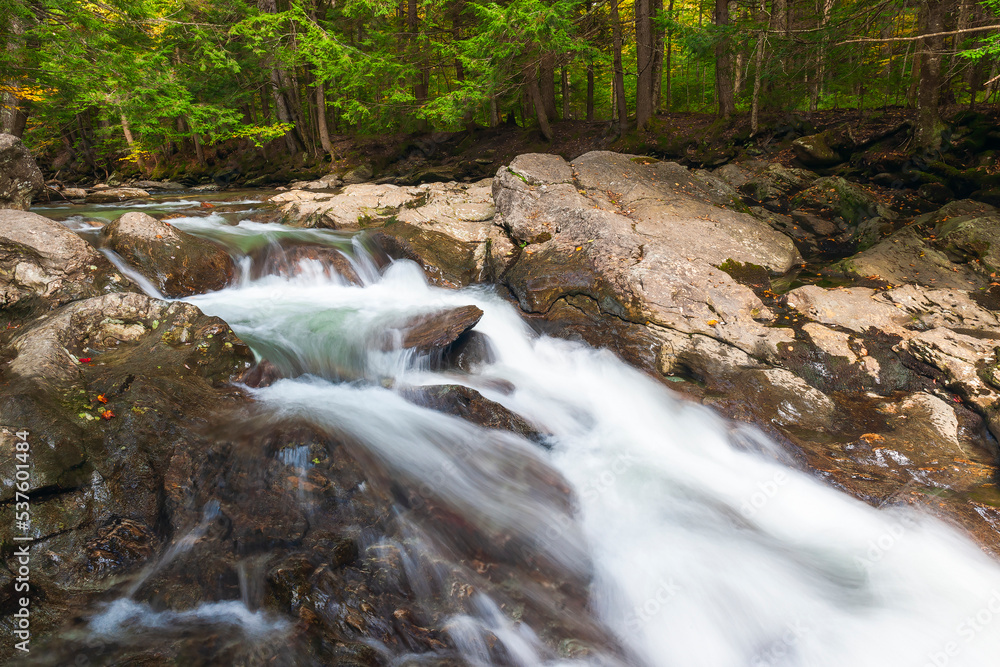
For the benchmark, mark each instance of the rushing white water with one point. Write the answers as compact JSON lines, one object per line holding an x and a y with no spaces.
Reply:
{"x":702,"y":553}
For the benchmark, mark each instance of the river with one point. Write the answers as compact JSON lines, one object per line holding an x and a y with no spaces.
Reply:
{"x":696,"y":541}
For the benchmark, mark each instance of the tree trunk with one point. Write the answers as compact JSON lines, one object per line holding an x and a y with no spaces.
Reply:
{"x":13,"y":114}
{"x":590,"y":90}
{"x":619,"y":73}
{"x":656,"y":8}
{"x":817,"y":83}
{"x":724,"y":63}
{"x":130,"y":140}
{"x":758,"y":67}
{"x":590,"y":73}
{"x":322,"y":127}
{"x":199,"y":150}
{"x":547,"y":82}
{"x":644,"y":63}
{"x":670,"y":48}
{"x":281,"y":108}
{"x":534,"y":94}
{"x":565,"y":93}
{"x":930,"y":127}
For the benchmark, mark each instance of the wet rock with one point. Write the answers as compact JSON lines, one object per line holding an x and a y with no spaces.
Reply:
{"x":263,"y":374}
{"x":436,"y":331}
{"x":936,"y":192}
{"x":107,"y":387}
{"x":74,"y":193}
{"x":825,"y":149}
{"x":470,"y":405}
{"x":358,"y":175}
{"x":158,"y":185}
{"x":446,"y":261}
{"x":287,"y":260}
{"x":791,"y":401}
{"x":42,"y":260}
{"x":836,"y":198}
{"x":906,"y":257}
{"x":112,"y":195}
{"x":870,"y":232}
{"x":49,"y":352}
{"x":960,"y":357}
{"x":20,"y":179}
{"x":775,"y":183}
{"x":179,"y":264}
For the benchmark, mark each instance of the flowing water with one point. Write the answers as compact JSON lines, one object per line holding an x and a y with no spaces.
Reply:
{"x":696,"y":543}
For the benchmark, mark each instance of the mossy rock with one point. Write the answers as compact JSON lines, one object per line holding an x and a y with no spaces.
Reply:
{"x":751,"y":275}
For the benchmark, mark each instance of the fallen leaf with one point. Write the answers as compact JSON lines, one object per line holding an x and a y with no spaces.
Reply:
{"x":107,"y":414}
{"x":84,"y":360}
{"x":102,"y":398}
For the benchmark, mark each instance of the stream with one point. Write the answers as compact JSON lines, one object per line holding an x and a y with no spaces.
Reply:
{"x":692,"y":540}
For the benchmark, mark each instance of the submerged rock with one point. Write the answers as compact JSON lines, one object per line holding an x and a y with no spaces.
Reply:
{"x":178,"y":263}
{"x":20,"y":179}
{"x":472,"y":406}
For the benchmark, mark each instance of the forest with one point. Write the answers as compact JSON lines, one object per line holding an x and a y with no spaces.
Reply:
{"x":144,"y":80}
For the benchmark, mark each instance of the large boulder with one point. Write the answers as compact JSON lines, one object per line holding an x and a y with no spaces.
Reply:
{"x":107,"y":387}
{"x":179,"y":264}
{"x":446,"y":260}
{"x":20,"y":179}
{"x":40,"y":260}
{"x":641,"y":240}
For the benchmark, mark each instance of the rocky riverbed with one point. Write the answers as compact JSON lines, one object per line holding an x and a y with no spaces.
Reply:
{"x":857,"y":331}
